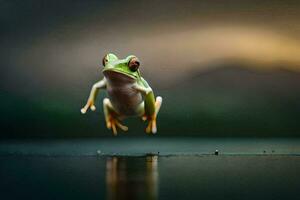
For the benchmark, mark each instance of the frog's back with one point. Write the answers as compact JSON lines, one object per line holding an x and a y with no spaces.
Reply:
{"x":124,"y":98}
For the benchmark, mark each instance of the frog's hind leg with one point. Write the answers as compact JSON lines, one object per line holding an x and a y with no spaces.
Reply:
{"x":111,"y":117}
{"x":152,"y":119}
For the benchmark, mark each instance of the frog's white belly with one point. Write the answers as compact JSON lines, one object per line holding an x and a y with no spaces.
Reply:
{"x":125,"y":99}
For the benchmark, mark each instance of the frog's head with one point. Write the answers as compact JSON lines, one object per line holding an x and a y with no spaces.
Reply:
{"x":128,"y":67}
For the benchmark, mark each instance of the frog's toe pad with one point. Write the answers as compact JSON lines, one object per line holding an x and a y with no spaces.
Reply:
{"x":144,"y":117}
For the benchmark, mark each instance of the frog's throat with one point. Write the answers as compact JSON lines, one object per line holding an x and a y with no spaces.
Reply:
{"x":121,"y":72}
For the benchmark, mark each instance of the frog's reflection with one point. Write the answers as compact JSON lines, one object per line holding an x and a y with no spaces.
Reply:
{"x":132,"y":178}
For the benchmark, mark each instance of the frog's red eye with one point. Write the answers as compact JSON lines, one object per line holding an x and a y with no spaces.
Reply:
{"x":104,"y":60}
{"x":134,"y":64}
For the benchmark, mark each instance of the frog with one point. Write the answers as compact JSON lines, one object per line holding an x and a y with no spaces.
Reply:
{"x":128,"y":94}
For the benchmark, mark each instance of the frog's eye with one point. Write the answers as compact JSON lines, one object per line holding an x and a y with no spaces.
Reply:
{"x":134,"y":64}
{"x":104,"y":60}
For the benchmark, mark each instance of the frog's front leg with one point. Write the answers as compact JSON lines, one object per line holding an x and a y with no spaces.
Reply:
{"x":151,"y":106}
{"x":111,"y":117}
{"x":94,"y":91}
{"x":152,"y":128}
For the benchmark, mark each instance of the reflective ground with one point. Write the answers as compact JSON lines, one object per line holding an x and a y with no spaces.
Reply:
{"x":186,"y":175}
{"x":150,"y":177}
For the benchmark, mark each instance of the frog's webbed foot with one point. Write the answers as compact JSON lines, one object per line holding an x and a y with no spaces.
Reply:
{"x":111,"y":117}
{"x":152,"y":128}
{"x":113,"y":123}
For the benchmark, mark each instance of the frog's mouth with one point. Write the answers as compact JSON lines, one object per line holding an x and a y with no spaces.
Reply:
{"x":117,"y":72}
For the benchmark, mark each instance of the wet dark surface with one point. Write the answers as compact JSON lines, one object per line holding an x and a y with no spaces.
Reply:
{"x":150,"y":177}
{"x":139,"y":146}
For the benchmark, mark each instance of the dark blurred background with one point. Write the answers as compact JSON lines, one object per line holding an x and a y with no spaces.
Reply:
{"x":224,"y":68}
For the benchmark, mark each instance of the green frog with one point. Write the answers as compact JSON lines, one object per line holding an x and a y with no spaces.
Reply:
{"x":129,"y":94}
